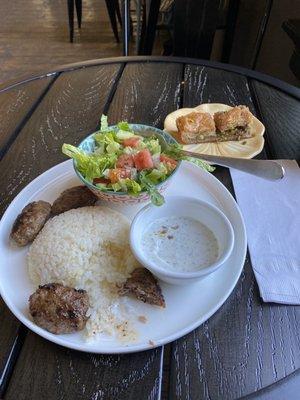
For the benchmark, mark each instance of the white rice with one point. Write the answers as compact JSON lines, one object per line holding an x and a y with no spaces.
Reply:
{"x":87,"y":248}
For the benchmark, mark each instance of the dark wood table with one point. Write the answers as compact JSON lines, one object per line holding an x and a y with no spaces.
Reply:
{"x":242,"y":349}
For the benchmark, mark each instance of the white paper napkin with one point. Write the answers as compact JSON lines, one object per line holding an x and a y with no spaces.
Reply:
{"x":271,"y":211}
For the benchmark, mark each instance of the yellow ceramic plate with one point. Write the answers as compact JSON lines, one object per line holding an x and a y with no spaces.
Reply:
{"x":247,"y":148}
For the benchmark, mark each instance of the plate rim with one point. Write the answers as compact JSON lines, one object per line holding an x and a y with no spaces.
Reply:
{"x":130,"y":348}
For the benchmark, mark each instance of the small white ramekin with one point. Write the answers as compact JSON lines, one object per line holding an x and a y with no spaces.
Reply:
{"x":182,"y":206}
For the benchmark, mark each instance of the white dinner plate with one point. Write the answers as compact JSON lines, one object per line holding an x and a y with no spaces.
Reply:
{"x":187,"y":307}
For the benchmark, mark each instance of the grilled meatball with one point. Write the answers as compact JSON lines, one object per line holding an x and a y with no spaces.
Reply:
{"x":75,"y":197}
{"x":30,"y":222}
{"x":58,"y":308}
{"x":144,"y":286}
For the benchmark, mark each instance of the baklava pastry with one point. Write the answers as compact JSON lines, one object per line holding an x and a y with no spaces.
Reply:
{"x":233,"y":124}
{"x":196,"y":127}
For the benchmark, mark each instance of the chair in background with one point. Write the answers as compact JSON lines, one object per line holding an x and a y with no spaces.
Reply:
{"x":134,"y":17}
{"x":114,"y":13}
{"x":149,"y":25}
{"x":292,"y":28}
{"x":192,"y":26}
{"x":113,"y":10}
{"x":138,"y":18}
{"x":78,"y":5}
{"x":157,"y":15}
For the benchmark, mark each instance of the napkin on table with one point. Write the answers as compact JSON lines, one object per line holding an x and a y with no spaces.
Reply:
{"x":271,"y":211}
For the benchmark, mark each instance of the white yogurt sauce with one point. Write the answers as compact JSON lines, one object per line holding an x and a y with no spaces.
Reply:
{"x":180,"y":244}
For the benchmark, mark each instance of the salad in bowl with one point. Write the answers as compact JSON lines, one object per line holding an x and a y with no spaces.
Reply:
{"x":126,"y":163}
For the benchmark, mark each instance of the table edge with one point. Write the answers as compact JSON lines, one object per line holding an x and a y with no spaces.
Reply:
{"x":267,"y":79}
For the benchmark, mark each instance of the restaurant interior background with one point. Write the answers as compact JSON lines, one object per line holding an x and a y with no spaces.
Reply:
{"x":34,"y":36}
{"x":233,"y":336}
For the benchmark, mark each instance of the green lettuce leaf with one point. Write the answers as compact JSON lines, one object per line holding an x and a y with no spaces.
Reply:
{"x":132,"y":187}
{"x":124,"y":126}
{"x":89,"y":165}
{"x":116,"y":187}
{"x":153,"y":146}
{"x":174,"y":150}
{"x":158,"y":174}
{"x":100,"y":149}
{"x":113,"y":147}
{"x":121,"y":135}
{"x":106,"y":138}
{"x":156,"y":198}
{"x":103,"y":123}
{"x":81,"y":157}
{"x":200,"y":163}
{"x":107,"y":143}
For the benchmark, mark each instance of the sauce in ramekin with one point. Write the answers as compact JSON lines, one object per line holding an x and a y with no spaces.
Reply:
{"x":180,"y":244}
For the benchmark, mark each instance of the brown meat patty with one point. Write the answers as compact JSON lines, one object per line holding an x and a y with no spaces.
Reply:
{"x":144,"y":286}
{"x":75,"y":197}
{"x":58,"y":308}
{"x":30,"y":222}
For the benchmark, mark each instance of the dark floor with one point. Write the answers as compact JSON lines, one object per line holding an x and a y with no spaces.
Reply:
{"x":34,"y":36}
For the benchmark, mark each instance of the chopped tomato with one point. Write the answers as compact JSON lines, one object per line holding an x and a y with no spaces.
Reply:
{"x":119,"y":173}
{"x":168,"y":161}
{"x":100,"y":180}
{"x":125,"y":160}
{"x":131,"y":142}
{"x":143,"y":160}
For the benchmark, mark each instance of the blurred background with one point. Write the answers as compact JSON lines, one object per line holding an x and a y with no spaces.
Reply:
{"x":38,"y":35}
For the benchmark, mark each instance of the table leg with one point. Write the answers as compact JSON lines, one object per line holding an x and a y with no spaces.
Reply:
{"x":78,"y":4}
{"x":111,"y":8}
{"x":71,"y":18}
{"x":138,"y":24}
{"x":148,"y":41}
{"x":125,"y":26}
{"x":118,"y":11}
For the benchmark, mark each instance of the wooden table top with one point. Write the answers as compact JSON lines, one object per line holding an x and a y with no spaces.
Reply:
{"x":247,"y":345}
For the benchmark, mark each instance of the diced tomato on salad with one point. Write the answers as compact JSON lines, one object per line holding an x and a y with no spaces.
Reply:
{"x":143,"y":160}
{"x":168,"y":161}
{"x":131,"y":142}
{"x":119,"y":173}
{"x":125,"y":160}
